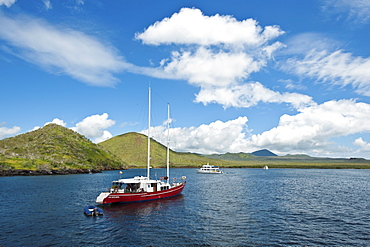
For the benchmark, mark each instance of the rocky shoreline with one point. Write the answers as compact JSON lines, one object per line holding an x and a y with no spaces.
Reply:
{"x":6,"y":173}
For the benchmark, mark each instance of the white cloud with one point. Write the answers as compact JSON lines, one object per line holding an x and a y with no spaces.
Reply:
{"x":93,"y":127}
{"x":336,"y":68}
{"x":105,"y":136}
{"x":312,"y":129}
{"x":204,"y":68}
{"x":311,"y":132}
{"x":61,"y":50}
{"x":217,"y":137}
{"x":292,"y":85}
{"x":365,"y":146}
{"x":250,"y":94}
{"x":218,"y":54}
{"x":57,"y":121}
{"x":48,"y":4}
{"x":190,"y":26}
{"x":303,"y":43}
{"x":7,"y":3}
{"x":358,"y":10}
{"x":4,"y":131}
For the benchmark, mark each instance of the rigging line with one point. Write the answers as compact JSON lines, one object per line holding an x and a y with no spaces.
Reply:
{"x":166,"y":101}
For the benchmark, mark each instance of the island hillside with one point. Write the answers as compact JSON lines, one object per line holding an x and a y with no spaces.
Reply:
{"x":54,"y":149}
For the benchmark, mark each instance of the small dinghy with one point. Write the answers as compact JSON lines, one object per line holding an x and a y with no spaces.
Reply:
{"x":92,"y":211}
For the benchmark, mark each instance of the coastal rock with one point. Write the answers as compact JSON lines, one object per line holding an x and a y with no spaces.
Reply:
{"x":5,"y":173}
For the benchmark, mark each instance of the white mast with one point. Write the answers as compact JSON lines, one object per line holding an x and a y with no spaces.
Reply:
{"x":148,"y":169}
{"x":168,"y":142}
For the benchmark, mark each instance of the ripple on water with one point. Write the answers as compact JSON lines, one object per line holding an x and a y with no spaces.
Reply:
{"x":244,"y":207}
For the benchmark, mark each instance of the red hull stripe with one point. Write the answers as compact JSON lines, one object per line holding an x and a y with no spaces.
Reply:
{"x":144,"y":196}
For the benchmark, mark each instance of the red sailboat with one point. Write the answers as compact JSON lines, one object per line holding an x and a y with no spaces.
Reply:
{"x":140,"y":188}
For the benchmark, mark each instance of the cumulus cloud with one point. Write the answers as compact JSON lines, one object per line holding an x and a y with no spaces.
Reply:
{"x":5,"y":131}
{"x":7,"y":3}
{"x":216,"y":53}
{"x":61,"y":50}
{"x":94,"y":127}
{"x":204,"y":67}
{"x":105,"y":136}
{"x":365,"y":146}
{"x":313,"y":128}
{"x":337,"y":67}
{"x":250,"y":94}
{"x":190,"y":26}
{"x":311,"y":131}
{"x":57,"y":121}
{"x":216,"y":137}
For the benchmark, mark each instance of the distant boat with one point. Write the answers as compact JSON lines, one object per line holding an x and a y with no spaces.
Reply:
{"x":92,"y":211}
{"x":139,"y":188}
{"x":209,"y":169}
{"x":265,"y":168}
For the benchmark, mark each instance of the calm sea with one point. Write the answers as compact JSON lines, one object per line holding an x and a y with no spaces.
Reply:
{"x":243,"y":207}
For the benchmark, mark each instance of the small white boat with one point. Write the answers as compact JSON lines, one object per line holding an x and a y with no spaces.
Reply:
{"x":209,"y":169}
{"x":265,"y":168}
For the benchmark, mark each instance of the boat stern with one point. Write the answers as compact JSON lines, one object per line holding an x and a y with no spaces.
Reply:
{"x":101,"y":197}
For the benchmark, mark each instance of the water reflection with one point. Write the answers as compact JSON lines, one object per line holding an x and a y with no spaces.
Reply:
{"x":144,"y":223}
{"x":142,"y":209}
{"x":243,"y":207}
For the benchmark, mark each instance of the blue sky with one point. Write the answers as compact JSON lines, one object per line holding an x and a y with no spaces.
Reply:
{"x":289,"y":76}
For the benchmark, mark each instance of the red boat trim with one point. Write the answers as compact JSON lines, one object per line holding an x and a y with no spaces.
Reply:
{"x":143,"y":196}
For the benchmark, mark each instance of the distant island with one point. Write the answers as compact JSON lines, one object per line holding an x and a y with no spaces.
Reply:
{"x":54,"y":149}
{"x":263,"y":153}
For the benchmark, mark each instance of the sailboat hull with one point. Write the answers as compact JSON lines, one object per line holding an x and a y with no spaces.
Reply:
{"x":139,"y":188}
{"x":108,"y":198}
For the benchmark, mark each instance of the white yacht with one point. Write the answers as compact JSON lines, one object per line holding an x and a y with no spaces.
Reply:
{"x":209,"y":169}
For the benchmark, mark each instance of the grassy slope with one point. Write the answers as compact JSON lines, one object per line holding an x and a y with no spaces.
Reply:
{"x":132,"y":148}
{"x":54,"y":147}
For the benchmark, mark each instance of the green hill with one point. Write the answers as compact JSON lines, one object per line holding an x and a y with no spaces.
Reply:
{"x":231,"y":156}
{"x":288,"y":161}
{"x":54,"y":147}
{"x":133,"y":148}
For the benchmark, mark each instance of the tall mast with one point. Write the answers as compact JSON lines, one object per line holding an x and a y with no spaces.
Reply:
{"x":168,"y":142}
{"x":148,"y":169}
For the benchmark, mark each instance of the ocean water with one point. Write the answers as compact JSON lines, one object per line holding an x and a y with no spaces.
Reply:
{"x":243,"y":207}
